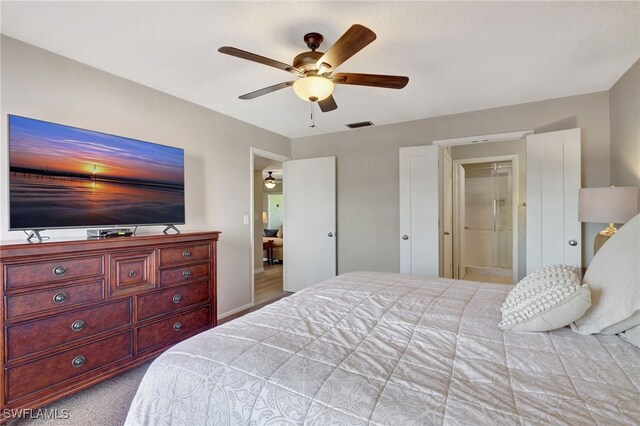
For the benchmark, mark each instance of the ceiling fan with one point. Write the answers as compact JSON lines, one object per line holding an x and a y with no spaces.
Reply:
{"x":315,"y":82}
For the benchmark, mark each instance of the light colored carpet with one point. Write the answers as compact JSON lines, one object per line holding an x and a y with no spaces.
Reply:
{"x":104,"y":404}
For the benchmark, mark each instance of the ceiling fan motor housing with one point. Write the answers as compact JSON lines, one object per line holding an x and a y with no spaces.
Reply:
{"x":306,"y":61}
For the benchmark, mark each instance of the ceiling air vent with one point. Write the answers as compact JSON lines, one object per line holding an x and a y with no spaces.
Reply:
{"x":358,"y":125}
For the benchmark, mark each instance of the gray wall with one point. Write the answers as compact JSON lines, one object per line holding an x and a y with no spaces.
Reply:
{"x":39,"y":84}
{"x":367,"y":167}
{"x":625,"y":128}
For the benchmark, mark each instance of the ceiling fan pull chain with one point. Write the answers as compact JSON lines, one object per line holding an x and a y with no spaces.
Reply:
{"x":313,"y":119}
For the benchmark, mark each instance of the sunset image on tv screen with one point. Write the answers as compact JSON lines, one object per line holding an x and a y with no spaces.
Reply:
{"x":61,"y":176}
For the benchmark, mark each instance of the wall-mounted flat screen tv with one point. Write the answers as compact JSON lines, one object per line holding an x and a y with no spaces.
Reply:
{"x":66,"y":177}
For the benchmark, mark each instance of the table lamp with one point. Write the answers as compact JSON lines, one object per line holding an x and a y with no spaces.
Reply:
{"x":615,"y":204}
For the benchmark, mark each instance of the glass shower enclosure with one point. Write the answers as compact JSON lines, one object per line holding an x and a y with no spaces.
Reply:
{"x":488,"y":219}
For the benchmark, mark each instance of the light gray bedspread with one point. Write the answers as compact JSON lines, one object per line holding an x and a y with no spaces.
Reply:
{"x":381,"y":348}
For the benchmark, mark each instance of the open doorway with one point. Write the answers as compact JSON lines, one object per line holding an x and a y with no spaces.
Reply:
{"x":483,"y":189}
{"x":485,"y":199}
{"x":268,"y":227}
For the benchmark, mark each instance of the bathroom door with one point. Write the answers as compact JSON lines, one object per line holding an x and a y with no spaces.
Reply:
{"x":554,"y":234}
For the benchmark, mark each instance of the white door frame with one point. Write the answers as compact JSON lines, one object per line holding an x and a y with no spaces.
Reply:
{"x":253,"y":152}
{"x":496,"y":137}
{"x":458,"y":225}
{"x":446,"y":220}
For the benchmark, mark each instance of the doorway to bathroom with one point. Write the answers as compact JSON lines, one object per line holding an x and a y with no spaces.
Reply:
{"x":485,"y":219}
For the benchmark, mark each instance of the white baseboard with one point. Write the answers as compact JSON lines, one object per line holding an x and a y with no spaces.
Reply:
{"x":234,"y":311}
{"x":255,"y":271}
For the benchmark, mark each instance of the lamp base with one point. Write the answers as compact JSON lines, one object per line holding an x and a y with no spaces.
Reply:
{"x":608,"y":231}
{"x":602,"y":237}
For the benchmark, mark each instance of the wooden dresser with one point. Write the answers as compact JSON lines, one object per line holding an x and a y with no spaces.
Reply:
{"x":75,"y":313}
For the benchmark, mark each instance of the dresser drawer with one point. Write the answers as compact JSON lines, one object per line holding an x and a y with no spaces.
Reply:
{"x":184,"y":254}
{"x":35,"y":336}
{"x":131,"y":271}
{"x":165,"y":301}
{"x":50,"y":301}
{"x":41,"y":374}
{"x":172,"y":328}
{"x":25,"y":275}
{"x":184,"y":274}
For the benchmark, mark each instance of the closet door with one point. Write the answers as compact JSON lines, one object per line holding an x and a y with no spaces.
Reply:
{"x":419,"y":234}
{"x":309,"y":222}
{"x":554,"y":234}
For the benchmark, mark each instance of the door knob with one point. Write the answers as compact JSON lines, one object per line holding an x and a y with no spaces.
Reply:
{"x":446,"y":232}
{"x":573,"y":243}
{"x":405,"y":237}
{"x":330,"y":234}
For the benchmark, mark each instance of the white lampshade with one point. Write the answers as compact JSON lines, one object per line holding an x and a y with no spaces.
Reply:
{"x":313,"y":88}
{"x":615,"y":204}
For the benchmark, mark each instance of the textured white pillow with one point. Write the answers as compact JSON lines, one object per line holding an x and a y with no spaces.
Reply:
{"x":549,"y":298}
{"x":632,"y":336}
{"x":614,"y":279}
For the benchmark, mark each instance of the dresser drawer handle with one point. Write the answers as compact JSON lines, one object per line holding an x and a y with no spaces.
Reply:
{"x":186,"y":254}
{"x":78,"y":361}
{"x":60,"y":298}
{"x":177,"y":326}
{"x":78,"y":325}
{"x":186,"y":273}
{"x":177,"y":298}
{"x":59,"y":271}
{"x":132,"y":274}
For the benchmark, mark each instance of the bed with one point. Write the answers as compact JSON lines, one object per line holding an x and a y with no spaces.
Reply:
{"x":384,"y":348}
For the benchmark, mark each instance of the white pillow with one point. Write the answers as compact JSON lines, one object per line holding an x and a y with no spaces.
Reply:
{"x":614,"y":279}
{"x":547,"y":299}
{"x":632,"y":336}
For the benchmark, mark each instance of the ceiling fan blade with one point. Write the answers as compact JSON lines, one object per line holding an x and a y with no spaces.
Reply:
{"x":259,"y":59}
{"x":374,"y":80}
{"x":328,"y":104}
{"x":351,"y":42}
{"x":266,"y":90}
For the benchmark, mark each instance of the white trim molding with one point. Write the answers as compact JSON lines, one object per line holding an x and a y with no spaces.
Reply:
{"x":509,"y":136}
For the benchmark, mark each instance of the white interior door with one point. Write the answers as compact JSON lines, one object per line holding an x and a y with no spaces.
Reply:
{"x":554,"y":234}
{"x":419,"y":234}
{"x":309,"y":222}
{"x":447,"y":216}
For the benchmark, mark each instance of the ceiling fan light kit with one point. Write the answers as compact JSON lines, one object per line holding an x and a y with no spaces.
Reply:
{"x":313,"y":68}
{"x":270,"y":181}
{"x":313,"y":88}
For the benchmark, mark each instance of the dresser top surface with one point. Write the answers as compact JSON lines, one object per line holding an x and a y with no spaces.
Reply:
{"x":24,"y":247}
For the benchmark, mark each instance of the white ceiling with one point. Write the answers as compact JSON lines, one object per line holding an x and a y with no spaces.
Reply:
{"x":459,"y":56}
